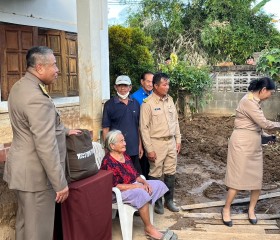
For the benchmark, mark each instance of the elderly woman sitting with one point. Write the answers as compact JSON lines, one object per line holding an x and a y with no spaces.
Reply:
{"x":134,"y":190}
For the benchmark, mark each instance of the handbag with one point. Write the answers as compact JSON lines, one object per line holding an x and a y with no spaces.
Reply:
{"x":80,"y":161}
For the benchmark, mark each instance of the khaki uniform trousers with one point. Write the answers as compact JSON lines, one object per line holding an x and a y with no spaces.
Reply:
{"x":35,"y":215}
{"x":166,"y":162}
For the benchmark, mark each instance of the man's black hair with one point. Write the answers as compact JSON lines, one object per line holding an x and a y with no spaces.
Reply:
{"x":143,"y":75}
{"x":35,"y":52}
{"x":158,"y":76}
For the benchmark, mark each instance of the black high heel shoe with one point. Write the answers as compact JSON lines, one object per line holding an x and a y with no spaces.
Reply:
{"x":253,"y":221}
{"x":227,"y":223}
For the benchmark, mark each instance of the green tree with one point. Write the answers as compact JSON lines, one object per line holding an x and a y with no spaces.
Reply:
{"x":234,"y":29}
{"x":206,"y":31}
{"x":129,"y":54}
{"x":162,"y":21}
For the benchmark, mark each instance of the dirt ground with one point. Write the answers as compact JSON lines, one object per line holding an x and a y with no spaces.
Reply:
{"x":201,"y":170}
{"x":202,"y":164}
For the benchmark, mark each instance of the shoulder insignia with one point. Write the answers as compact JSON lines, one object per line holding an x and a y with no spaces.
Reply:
{"x":45,"y":92}
{"x":250,"y":96}
{"x":146,"y":100}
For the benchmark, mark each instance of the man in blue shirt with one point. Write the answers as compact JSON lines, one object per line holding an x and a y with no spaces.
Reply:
{"x":122,"y":112}
{"x":142,"y":93}
{"x":146,"y":87}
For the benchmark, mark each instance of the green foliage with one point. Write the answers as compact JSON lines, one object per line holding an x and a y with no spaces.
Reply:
{"x":196,"y":81}
{"x":260,"y":5}
{"x":234,"y":30}
{"x":269,"y":63}
{"x":129,"y":54}
{"x":162,"y":20}
{"x":214,"y":30}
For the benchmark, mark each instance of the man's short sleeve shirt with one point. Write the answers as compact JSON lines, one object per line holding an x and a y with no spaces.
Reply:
{"x":117,"y":115}
{"x":140,"y":95}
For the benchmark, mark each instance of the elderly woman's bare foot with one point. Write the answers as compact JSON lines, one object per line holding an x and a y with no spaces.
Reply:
{"x":152,"y":232}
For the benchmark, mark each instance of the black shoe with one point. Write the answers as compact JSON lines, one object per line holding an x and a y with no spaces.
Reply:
{"x":171,"y":207}
{"x":158,"y":208}
{"x":227,"y":223}
{"x":253,"y":221}
{"x":169,"y":181}
{"x":266,"y":140}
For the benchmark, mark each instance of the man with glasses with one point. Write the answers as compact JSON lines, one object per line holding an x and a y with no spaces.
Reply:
{"x":122,"y":113}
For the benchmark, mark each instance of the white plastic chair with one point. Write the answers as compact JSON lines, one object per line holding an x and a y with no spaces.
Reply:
{"x":99,"y":153}
{"x":126,"y":211}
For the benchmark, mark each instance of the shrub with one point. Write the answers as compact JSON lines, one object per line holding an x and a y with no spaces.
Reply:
{"x":195,"y":81}
{"x":269,"y":63}
{"x":129,"y":54}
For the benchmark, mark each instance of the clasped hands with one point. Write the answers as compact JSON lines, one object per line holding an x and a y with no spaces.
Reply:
{"x":145,"y":186}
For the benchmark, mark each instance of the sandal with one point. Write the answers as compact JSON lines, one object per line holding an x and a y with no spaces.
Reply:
{"x":168,"y":235}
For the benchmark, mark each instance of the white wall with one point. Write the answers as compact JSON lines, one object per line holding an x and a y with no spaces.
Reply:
{"x":55,"y":14}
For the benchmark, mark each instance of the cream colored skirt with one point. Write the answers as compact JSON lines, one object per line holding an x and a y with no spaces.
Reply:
{"x":244,"y":160}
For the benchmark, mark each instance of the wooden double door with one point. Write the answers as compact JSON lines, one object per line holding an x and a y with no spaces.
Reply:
{"x":15,"y":40}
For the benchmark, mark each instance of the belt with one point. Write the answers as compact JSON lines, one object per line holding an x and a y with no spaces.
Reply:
{"x":258,"y":131}
{"x":164,"y":138}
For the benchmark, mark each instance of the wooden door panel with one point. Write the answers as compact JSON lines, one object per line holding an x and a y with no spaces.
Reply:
{"x":72,"y":86}
{"x":13,"y":63}
{"x":72,"y":65}
{"x":42,"y":40}
{"x":26,"y":40}
{"x":56,"y":87}
{"x":59,"y":64}
{"x":12,"y":42}
{"x":55,"y":44}
{"x":72,"y":48}
{"x":23,"y":61}
{"x":15,"y":41}
{"x":12,"y":79}
{"x":54,"y":40}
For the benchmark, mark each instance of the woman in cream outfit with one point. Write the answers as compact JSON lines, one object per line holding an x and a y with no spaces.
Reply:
{"x":245,"y":158}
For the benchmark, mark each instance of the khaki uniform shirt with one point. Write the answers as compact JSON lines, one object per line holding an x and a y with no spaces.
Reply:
{"x":249,"y":115}
{"x":36,"y":157}
{"x":158,"y":119}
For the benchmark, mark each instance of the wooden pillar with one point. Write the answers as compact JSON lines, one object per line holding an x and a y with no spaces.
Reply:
{"x":93,"y":60}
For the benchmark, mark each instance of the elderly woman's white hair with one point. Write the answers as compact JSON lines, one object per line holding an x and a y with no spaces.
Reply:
{"x":111,"y":138}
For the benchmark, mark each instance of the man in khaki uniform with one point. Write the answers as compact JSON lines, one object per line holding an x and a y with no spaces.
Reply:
{"x":34,"y":167}
{"x":161,"y":136}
